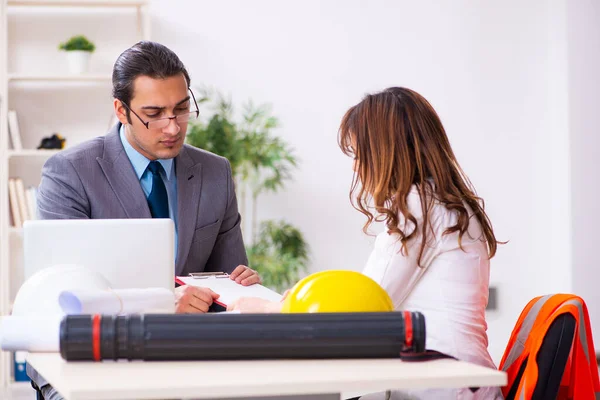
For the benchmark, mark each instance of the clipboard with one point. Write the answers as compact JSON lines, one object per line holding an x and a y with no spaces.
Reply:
{"x":206,"y":275}
{"x":228,"y":289}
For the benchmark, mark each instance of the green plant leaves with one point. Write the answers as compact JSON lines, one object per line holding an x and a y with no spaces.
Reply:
{"x":280,"y":255}
{"x":78,"y":42}
{"x":249,"y":146}
{"x":219,"y":136}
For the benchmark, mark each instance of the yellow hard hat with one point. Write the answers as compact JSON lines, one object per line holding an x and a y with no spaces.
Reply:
{"x":337,"y":291}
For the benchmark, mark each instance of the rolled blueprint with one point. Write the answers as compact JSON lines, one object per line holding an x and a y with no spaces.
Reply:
{"x":117,"y":301}
{"x":39,"y":333}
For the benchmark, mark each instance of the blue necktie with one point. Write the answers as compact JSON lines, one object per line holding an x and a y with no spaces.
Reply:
{"x":158,"y":200}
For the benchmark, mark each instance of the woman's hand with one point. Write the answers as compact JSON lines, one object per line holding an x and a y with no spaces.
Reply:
{"x":254,"y":305}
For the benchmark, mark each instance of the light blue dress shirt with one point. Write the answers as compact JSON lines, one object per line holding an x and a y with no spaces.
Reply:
{"x":140,"y":165}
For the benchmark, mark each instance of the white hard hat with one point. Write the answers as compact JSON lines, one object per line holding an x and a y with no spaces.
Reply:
{"x":39,"y":294}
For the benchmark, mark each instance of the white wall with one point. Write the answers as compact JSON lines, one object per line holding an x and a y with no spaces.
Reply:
{"x":584,"y":120}
{"x":493,"y":71}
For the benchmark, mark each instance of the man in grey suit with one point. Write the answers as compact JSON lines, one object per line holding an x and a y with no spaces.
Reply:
{"x":142,"y":169}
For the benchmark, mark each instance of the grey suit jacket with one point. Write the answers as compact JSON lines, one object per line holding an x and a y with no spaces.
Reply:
{"x":96,"y":180}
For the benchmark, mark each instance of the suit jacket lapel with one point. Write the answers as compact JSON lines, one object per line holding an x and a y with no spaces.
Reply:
{"x":121,"y":176}
{"x":189,"y":186}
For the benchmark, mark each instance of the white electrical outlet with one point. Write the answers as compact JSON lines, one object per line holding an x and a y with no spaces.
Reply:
{"x":492,"y":299}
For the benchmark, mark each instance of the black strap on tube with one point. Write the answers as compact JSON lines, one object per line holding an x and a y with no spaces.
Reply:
{"x":218,"y":336}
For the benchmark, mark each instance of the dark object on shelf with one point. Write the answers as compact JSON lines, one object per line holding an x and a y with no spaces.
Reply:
{"x":241,"y":336}
{"x":55,"y":141}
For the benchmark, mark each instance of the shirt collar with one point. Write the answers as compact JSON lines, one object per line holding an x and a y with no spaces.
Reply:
{"x":139,"y":161}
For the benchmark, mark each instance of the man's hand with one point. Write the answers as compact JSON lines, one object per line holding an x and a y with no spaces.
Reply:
{"x":192,"y":299}
{"x":245,"y":276}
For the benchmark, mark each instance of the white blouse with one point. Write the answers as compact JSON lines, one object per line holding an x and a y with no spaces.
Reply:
{"x":450,"y":289}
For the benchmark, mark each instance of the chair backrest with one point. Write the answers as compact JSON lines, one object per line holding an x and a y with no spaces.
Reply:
{"x":551,"y":360}
{"x":551,"y":351}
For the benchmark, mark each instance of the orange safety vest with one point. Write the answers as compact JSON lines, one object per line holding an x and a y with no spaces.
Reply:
{"x":580,"y":379}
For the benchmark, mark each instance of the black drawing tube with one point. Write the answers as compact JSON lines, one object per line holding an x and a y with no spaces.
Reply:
{"x":241,"y":336}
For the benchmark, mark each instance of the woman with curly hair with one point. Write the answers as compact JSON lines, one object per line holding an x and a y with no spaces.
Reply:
{"x":434,"y":254}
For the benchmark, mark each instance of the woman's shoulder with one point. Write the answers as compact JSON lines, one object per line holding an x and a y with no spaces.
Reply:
{"x":440,"y":217}
{"x":419,"y":202}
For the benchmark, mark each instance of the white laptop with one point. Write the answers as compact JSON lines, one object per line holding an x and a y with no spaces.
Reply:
{"x":129,"y":253}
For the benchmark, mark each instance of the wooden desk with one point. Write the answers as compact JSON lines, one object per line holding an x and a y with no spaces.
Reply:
{"x":231,"y":379}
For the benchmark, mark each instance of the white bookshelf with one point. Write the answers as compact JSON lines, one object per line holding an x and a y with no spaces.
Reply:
{"x":59,"y":78}
{"x":33,"y":84}
{"x":31,"y":153}
{"x":75,"y":3}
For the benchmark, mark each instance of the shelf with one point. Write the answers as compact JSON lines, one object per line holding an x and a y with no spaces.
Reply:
{"x":80,"y":3}
{"x":59,"y":78}
{"x":20,"y":385}
{"x":20,"y":391}
{"x":31,"y":153}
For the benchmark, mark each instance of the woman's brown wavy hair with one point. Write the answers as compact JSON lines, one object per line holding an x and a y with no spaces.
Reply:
{"x":398,"y":141}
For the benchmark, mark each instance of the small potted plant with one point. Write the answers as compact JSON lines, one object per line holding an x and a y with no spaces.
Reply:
{"x":79,"y":50}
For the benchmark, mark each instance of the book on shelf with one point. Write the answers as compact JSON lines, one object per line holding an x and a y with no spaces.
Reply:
{"x":23,"y":208}
{"x":20,"y":366}
{"x":23,"y":202}
{"x":14,"y":203}
{"x":14,"y":131}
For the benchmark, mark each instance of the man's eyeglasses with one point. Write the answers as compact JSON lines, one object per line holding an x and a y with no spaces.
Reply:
{"x":161,"y":123}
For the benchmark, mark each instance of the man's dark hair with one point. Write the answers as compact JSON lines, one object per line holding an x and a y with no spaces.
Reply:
{"x":144,"y":59}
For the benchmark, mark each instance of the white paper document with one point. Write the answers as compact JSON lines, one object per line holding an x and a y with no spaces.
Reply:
{"x":229,"y":291}
{"x":117,"y":301}
{"x":31,"y":333}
